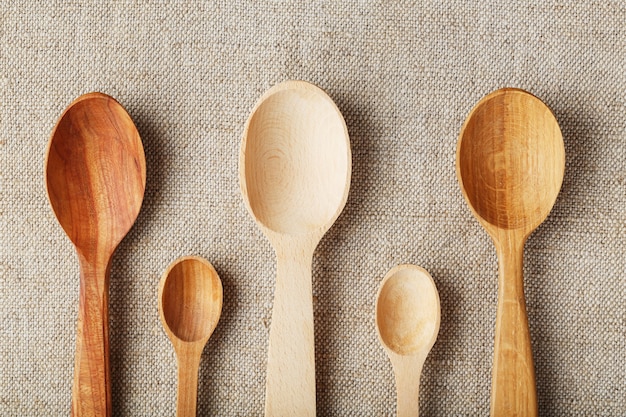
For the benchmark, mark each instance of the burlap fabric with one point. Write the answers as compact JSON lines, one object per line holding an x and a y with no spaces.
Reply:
{"x":404,"y":76}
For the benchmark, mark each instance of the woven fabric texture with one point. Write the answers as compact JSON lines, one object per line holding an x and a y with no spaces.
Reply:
{"x":404,"y":76}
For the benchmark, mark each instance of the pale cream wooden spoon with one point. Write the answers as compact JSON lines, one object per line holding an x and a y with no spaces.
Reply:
{"x":407,"y":323}
{"x":294,"y":170}
{"x":190,"y":305}
{"x":95,"y":177}
{"x":510,"y":166}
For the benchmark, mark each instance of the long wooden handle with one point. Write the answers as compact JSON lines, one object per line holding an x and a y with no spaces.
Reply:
{"x":408,"y":370}
{"x":290,"y":387}
{"x":91,"y":391}
{"x":513,"y":391}
{"x":188,"y":364}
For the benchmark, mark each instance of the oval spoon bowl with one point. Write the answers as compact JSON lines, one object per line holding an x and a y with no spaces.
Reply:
{"x":295,"y":160}
{"x":95,"y":172}
{"x":407,"y":310}
{"x":511,"y":160}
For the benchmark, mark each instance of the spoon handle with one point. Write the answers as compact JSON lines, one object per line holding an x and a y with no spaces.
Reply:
{"x":513,"y":391}
{"x":188,"y":364}
{"x":408,"y":370}
{"x":91,"y":391}
{"x":290,"y":386}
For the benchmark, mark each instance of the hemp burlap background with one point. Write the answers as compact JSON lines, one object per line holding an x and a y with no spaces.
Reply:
{"x":405,"y":77}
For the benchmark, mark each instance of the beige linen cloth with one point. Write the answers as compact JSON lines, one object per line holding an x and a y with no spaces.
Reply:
{"x":405,"y":76}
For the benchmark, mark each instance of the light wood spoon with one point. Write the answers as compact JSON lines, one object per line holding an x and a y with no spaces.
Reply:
{"x":407,"y":323}
{"x":190,"y":305}
{"x":95,"y":174}
{"x":510,"y":166}
{"x":294,"y":170}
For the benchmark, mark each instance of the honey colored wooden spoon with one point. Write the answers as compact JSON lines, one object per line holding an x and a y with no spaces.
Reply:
{"x":190,"y":305}
{"x":407,"y":322}
{"x":95,"y":174}
{"x":294,"y":170}
{"x":510,"y":166}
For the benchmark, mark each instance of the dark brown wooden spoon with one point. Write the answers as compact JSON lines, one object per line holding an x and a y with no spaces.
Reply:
{"x":95,"y":175}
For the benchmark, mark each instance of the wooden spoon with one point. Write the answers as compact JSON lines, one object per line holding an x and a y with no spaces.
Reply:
{"x":95,"y":174}
{"x":190,"y":305}
{"x":407,"y":322}
{"x":510,"y":166}
{"x":294,"y":170}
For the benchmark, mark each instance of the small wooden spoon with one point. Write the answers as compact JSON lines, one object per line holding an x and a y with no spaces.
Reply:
{"x":190,"y":305}
{"x":510,"y":166}
{"x":294,"y":170}
{"x":407,"y":322}
{"x":95,"y":174}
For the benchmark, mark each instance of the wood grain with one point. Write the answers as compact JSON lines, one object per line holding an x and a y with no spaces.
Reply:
{"x":95,"y":176}
{"x":295,"y":166}
{"x":408,"y":315}
{"x":190,"y":305}
{"x":510,"y":166}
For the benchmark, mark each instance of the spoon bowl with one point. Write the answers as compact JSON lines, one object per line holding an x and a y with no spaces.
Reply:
{"x":511,"y":160}
{"x":295,"y":160}
{"x":191,"y":299}
{"x":407,"y":322}
{"x":294,"y":172}
{"x":510,"y":167}
{"x":95,"y":172}
{"x":95,"y":175}
{"x":407,"y":310}
{"x":190,"y":305}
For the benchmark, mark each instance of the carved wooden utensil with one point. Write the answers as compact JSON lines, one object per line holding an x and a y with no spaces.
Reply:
{"x":95,"y":175}
{"x":294,"y":171}
{"x":407,"y":322}
{"x":510,"y":166}
{"x":190,"y":305}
